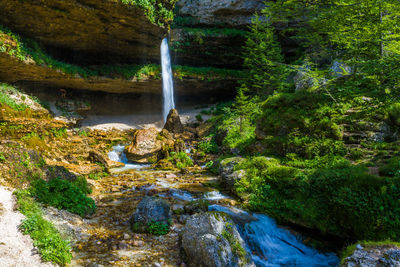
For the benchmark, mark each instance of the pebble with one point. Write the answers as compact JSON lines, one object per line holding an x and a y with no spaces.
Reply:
{"x":126,"y":236}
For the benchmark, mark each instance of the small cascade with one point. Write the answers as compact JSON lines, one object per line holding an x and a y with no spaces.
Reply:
{"x":168,"y":85}
{"x":274,"y":246}
{"x":118,"y":155}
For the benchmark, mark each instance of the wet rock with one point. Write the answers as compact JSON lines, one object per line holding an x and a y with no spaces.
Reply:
{"x":385,"y":255}
{"x":197,"y":206}
{"x":212,"y":239}
{"x":173,"y":123}
{"x":145,"y":146}
{"x":150,"y":209}
{"x":303,"y":81}
{"x":227,"y":172}
{"x":340,"y":69}
{"x":98,"y":157}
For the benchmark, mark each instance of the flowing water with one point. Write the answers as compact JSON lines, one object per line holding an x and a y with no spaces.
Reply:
{"x":168,"y":85}
{"x":106,"y":239}
{"x":118,"y":155}
{"x":268,"y":244}
{"x":273,"y":246}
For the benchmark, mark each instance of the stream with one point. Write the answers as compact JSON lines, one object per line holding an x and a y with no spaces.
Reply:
{"x":105,"y":239}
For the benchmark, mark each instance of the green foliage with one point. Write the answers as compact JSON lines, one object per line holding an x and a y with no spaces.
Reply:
{"x":203,"y":32}
{"x":157,"y":228}
{"x":5,"y":99}
{"x":336,"y":198}
{"x":237,"y":248}
{"x":51,"y":246}
{"x":392,"y":168}
{"x":63,"y":194}
{"x":159,"y":12}
{"x":394,"y":114}
{"x":181,"y":160}
{"x":209,"y":147}
{"x":263,"y":60}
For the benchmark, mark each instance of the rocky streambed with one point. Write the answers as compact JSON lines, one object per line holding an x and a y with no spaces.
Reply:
{"x":224,"y":236}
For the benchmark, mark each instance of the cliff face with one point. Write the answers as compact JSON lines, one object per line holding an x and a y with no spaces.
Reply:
{"x":232,"y":13}
{"x":212,"y":33}
{"x":61,"y":44}
{"x":88,"y":31}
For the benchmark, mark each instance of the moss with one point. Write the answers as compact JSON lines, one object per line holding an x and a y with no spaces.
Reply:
{"x":27,"y":50}
{"x":349,"y":250}
{"x":236,"y":247}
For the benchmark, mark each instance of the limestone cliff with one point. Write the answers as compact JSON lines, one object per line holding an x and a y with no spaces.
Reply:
{"x":89,"y":31}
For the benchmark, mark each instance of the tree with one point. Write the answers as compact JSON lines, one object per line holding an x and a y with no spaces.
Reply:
{"x":263,"y":59}
{"x":359,"y":33}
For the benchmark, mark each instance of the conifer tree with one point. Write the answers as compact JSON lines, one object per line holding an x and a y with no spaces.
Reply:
{"x":263,"y":59}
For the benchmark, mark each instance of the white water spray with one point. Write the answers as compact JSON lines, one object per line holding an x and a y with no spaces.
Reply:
{"x":168,"y":85}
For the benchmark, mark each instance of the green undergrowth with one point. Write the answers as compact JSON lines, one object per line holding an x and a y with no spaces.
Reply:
{"x":64,"y":194}
{"x":159,"y":12}
{"x":309,"y":153}
{"x":332,"y":195}
{"x":51,"y":246}
{"x":211,"y":32}
{"x":181,"y":160}
{"x":154,"y":227}
{"x":5,"y":97}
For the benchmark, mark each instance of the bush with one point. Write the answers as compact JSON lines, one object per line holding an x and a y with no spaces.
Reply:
{"x":51,"y":246}
{"x":157,"y":228}
{"x":392,"y":168}
{"x":339,"y":199}
{"x":394,"y":114}
{"x":209,"y":147}
{"x":63,"y":194}
{"x":181,"y":160}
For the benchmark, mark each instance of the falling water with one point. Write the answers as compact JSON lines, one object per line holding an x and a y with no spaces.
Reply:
{"x":168,"y":86}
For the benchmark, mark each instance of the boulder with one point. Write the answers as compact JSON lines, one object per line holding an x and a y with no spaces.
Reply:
{"x":339,"y":69}
{"x":145,"y":146}
{"x":150,"y":209}
{"x":384,"y":255}
{"x":228,"y":175}
{"x":173,"y":123}
{"x":211,"y":239}
{"x":303,"y":81}
{"x":98,"y":157}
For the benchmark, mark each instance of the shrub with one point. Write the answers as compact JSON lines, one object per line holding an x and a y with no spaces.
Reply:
{"x":63,"y":194}
{"x":181,"y":160}
{"x":158,"y":228}
{"x":209,"y":147}
{"x":394,"y":114}
{"x":339,"y":199}
{"x":392,"y":168}
{"x":51,"y":246}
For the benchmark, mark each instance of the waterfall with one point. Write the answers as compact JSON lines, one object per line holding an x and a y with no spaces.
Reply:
{"x":168,"y":86}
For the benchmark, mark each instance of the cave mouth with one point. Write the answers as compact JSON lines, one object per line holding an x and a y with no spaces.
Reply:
{"x":134,"y":110}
